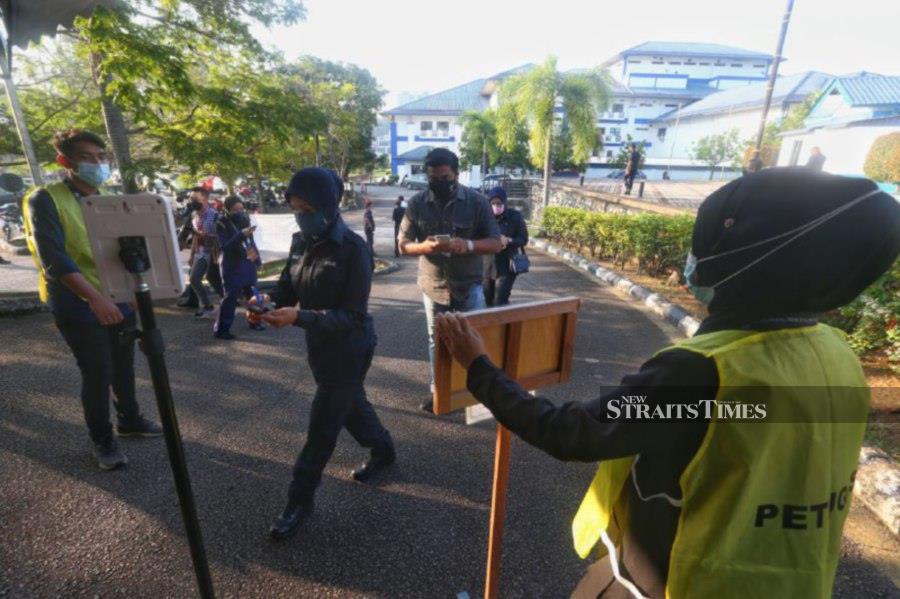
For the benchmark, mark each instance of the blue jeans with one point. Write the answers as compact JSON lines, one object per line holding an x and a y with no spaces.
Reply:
{"x":474,"y":301}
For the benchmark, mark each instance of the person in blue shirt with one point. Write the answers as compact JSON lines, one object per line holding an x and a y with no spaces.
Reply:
{"x":240,"y":260}
{"x":324,"y":289}
{"x":100,"y":333}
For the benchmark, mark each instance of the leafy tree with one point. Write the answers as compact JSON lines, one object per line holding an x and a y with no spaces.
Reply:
{"x":771,"y":142}
{"x":717,"y":149}
{"x":479,"y":144}
{"x":621,"y":159}
{"x":530,"y":99}
{"x":883,"y":160}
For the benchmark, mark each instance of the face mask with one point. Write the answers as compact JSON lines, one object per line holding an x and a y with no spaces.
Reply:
{"x":443,"y":190}
{"x":240,"y":219}
{"x":498,"y":209}
{"x":94,"y":175}
{"x":705,"y":294}
{"x":312,"y":224}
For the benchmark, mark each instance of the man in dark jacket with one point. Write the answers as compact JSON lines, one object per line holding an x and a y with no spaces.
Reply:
{"x":499,"y":277}
{"x":369,"y":226}
{"x":397,"y":217}
{"x":631,"y":167}
{"x":324,"y":289}
{"x":240,"y":260}
{"x":766,"y":281}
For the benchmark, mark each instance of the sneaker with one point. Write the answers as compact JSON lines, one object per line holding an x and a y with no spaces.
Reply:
{"x":206,"y":312}
{"x":225,"y":336}
{"x":139,"y":428}
{"x":108,"y":455}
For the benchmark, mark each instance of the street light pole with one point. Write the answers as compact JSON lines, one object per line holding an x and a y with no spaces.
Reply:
{"x":774,"y":74}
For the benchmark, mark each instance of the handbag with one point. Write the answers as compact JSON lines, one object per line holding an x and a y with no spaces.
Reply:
{"x":519,"y":263}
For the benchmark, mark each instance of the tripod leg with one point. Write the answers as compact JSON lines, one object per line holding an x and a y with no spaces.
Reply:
{"x":152,"y":346}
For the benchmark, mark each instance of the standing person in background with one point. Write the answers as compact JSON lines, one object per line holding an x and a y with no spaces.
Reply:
{"x":397,"y":217}
{"x":240,"y":261}
{"x":499,"y":276}
{"x":816,"y":159}
{"x":631,"y":167}
{"x":369,"y":226}
{"x":449,"y":226}
{"x":204,"y":250}
{"x":99,"y":333}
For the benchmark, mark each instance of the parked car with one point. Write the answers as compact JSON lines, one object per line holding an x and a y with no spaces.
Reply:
{"x":415,"y":182}
{"x":620,"y":174}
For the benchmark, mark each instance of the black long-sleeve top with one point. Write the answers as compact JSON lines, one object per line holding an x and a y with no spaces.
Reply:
{"x":511,"y":224}
{"x":331,"y":280}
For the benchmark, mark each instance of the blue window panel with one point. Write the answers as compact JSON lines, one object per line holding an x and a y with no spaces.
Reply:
{"x":614,"y":121}
{"x":643,"y":121}
{"x":451,"y":138}
{"x":403,"y":138}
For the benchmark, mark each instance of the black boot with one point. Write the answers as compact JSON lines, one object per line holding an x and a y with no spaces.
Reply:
{"x":373,"y":466}
{"x":285,"y":526}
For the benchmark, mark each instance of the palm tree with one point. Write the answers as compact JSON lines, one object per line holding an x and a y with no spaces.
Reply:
{"x":479,"y":135}
{"x":532,"y":98}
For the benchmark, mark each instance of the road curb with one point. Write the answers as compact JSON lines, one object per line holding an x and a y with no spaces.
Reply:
{"x":878,"y":487}
{"x":16,"y":305}
{"x":669,"y":312}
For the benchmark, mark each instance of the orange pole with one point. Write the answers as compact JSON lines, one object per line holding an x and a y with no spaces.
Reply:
{"x":498,"y":513}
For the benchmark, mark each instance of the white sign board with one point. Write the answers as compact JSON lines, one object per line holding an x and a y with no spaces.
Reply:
{"x":108,"y":218}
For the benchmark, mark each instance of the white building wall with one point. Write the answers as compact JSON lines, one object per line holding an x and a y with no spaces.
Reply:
{"x":694,"y":67}
{"x":845,"y":148}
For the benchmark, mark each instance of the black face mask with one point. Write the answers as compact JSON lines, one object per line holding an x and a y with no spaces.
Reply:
{"x":443,"y":190}
{"x":241,"y":220}
{"x":195,"y":205}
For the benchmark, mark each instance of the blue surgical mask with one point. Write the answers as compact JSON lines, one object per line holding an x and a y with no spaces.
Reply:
{"x":703,"y":294}
{"x":93,"y":174}
{"x":312,"y":224}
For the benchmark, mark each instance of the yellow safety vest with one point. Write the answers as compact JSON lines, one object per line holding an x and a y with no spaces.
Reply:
{"x":77,"y":244}
{"x":763,"y":503}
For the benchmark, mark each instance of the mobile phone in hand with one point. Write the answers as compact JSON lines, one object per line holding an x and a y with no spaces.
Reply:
{"x":259,"y":309}
{"x":442,"y":238}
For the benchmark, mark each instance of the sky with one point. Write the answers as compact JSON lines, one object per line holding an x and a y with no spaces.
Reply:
{"x":417,"y":47}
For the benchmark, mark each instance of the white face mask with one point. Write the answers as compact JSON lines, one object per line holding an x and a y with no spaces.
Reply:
{"x":705,"y":293}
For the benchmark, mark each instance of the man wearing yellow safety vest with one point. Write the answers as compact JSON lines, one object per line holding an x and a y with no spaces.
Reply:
{"x":727,"y":461}
{"x":100,"y":333}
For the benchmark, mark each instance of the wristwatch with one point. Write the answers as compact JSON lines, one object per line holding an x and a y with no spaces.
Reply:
{"x":470,"y":245}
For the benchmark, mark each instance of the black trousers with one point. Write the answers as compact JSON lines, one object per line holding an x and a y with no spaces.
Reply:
{"x":370,"y":240}
{"x":629,"y":182}
{"x":497,"y":291}
{"x":396,"y":243}
{"x":105,"y":356}
{"x":337,"y":405}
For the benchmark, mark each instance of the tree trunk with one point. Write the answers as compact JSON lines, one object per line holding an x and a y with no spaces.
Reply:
{"x":547,"y":166}
{"x":484,"y":159}
{"x":115,"y":129}
{"x":318,"y":151}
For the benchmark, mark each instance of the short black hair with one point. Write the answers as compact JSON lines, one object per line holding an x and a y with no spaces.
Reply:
{"x":64,"y":141}
{"x":230,"y":201}
{"x":442,"y":157}
{"x":199,"y":189}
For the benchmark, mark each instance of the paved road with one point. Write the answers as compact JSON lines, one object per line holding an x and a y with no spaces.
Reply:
{"x":69,"y":530}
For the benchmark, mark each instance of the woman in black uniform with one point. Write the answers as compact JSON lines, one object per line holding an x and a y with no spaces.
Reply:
{"x":324,"y":289}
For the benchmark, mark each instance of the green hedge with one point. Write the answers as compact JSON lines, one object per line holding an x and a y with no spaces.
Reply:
{"x":658,"y":243}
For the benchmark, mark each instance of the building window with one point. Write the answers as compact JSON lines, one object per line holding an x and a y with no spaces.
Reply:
{"x":689,"y":61}
{"x":704,"y":64}
{"x":642,"y":128}
{"x":609,"y":154}
{"x":618,"y":107}
{"x":634,"y":62}
{"x":646,"y":105}
{"x":658,"y":61}
{"x":426,"y":127}
{"x":615,"y":133}
{"x":719,"y":63}
{"x":671,"y":105}
{"x":674,"y":62}
{"x":443,"y":129}
{"x":759,"y":66}
{"x":661,"y":133}
{"x":737,"y":65}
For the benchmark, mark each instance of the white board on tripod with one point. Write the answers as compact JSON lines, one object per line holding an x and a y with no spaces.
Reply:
{"x":143,"y":215}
